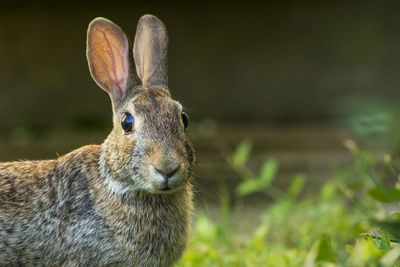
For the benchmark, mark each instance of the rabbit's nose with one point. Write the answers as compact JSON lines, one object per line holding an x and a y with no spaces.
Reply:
{"x":168,"y":173}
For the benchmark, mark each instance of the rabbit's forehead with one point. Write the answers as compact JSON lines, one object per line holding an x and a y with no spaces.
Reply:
{"x":155,"y":102}
{"x":157,"y":112}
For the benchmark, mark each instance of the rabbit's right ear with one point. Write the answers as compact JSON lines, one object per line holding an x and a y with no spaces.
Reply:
{"x":108,"y":57}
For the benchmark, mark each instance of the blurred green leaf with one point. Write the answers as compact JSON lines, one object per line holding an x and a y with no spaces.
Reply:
{"x":297,"y":185}
{"x":329,"y":190}
{"x":252,"y":185}
{"x":248,"y":187}
{"x":260,"y":234}
{"x":268,"y":171}
{"x":325,"y":252}
{"x":241,"y":154}
{"x":282,"y":206}
{"x":391,"y":227}
{"x":384,"y":242}
{"x":385,"y":195}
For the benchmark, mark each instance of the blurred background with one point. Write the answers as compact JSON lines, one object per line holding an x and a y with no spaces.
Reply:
{"x":294,"y":78}
{"x":293,"y":106}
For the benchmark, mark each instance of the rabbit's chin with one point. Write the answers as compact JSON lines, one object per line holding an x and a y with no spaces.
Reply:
{"x":119,"y":188}
{"x":167,"y":190}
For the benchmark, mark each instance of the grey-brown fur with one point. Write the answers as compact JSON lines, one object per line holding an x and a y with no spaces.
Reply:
{"x":107,"y":204}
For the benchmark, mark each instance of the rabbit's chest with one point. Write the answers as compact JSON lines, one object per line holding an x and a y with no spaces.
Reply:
{"x":149,"y":241}
{"x":139,"y":238}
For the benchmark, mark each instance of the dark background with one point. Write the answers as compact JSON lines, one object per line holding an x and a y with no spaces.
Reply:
{"x":296,"y":77}
{"x":276,"y":62}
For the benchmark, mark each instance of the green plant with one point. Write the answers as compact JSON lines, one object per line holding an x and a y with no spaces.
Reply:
{"x":317,"y":229}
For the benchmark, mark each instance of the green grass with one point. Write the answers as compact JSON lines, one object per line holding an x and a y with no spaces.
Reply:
{"x":346,"y":223}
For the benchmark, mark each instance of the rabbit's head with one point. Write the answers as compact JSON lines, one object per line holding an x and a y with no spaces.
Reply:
{"x":148,"y":149}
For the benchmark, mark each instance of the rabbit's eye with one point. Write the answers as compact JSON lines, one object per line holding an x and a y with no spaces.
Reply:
{"x":127,"y":122}
{"x":185,"y":119}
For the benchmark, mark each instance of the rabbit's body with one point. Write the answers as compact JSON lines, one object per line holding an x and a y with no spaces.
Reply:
{"x":58,"y":212}
{"x":126,"y":202}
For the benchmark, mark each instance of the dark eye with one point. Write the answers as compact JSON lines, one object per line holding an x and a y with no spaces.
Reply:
{"x":185,"y":119}
{"x":127,"y":122}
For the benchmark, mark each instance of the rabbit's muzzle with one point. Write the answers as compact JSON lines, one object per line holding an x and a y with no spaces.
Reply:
{"x":167,"y":175}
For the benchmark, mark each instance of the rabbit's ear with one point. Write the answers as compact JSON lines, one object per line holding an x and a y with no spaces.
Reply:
{"x":108,"y":57}
{"x":150,"y":52}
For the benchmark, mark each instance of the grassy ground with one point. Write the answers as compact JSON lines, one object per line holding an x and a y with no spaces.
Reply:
{"x":350,"y":221}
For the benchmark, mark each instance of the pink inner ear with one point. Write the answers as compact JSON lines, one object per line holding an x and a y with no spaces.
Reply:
{"x":108,"y":51}
{"x":117,"y":62}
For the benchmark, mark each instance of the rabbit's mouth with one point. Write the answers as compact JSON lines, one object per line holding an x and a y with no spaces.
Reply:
{"x":166,"y":188}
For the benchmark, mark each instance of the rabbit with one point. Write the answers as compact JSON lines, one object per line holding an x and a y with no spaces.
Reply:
{"x":126,"y":202}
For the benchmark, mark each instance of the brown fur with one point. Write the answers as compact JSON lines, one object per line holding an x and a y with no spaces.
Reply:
{"x":105,"y":205}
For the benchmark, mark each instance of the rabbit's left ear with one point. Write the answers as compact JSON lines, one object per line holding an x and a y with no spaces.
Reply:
{"x":108,"y":57}
{"x":150,"y":52}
